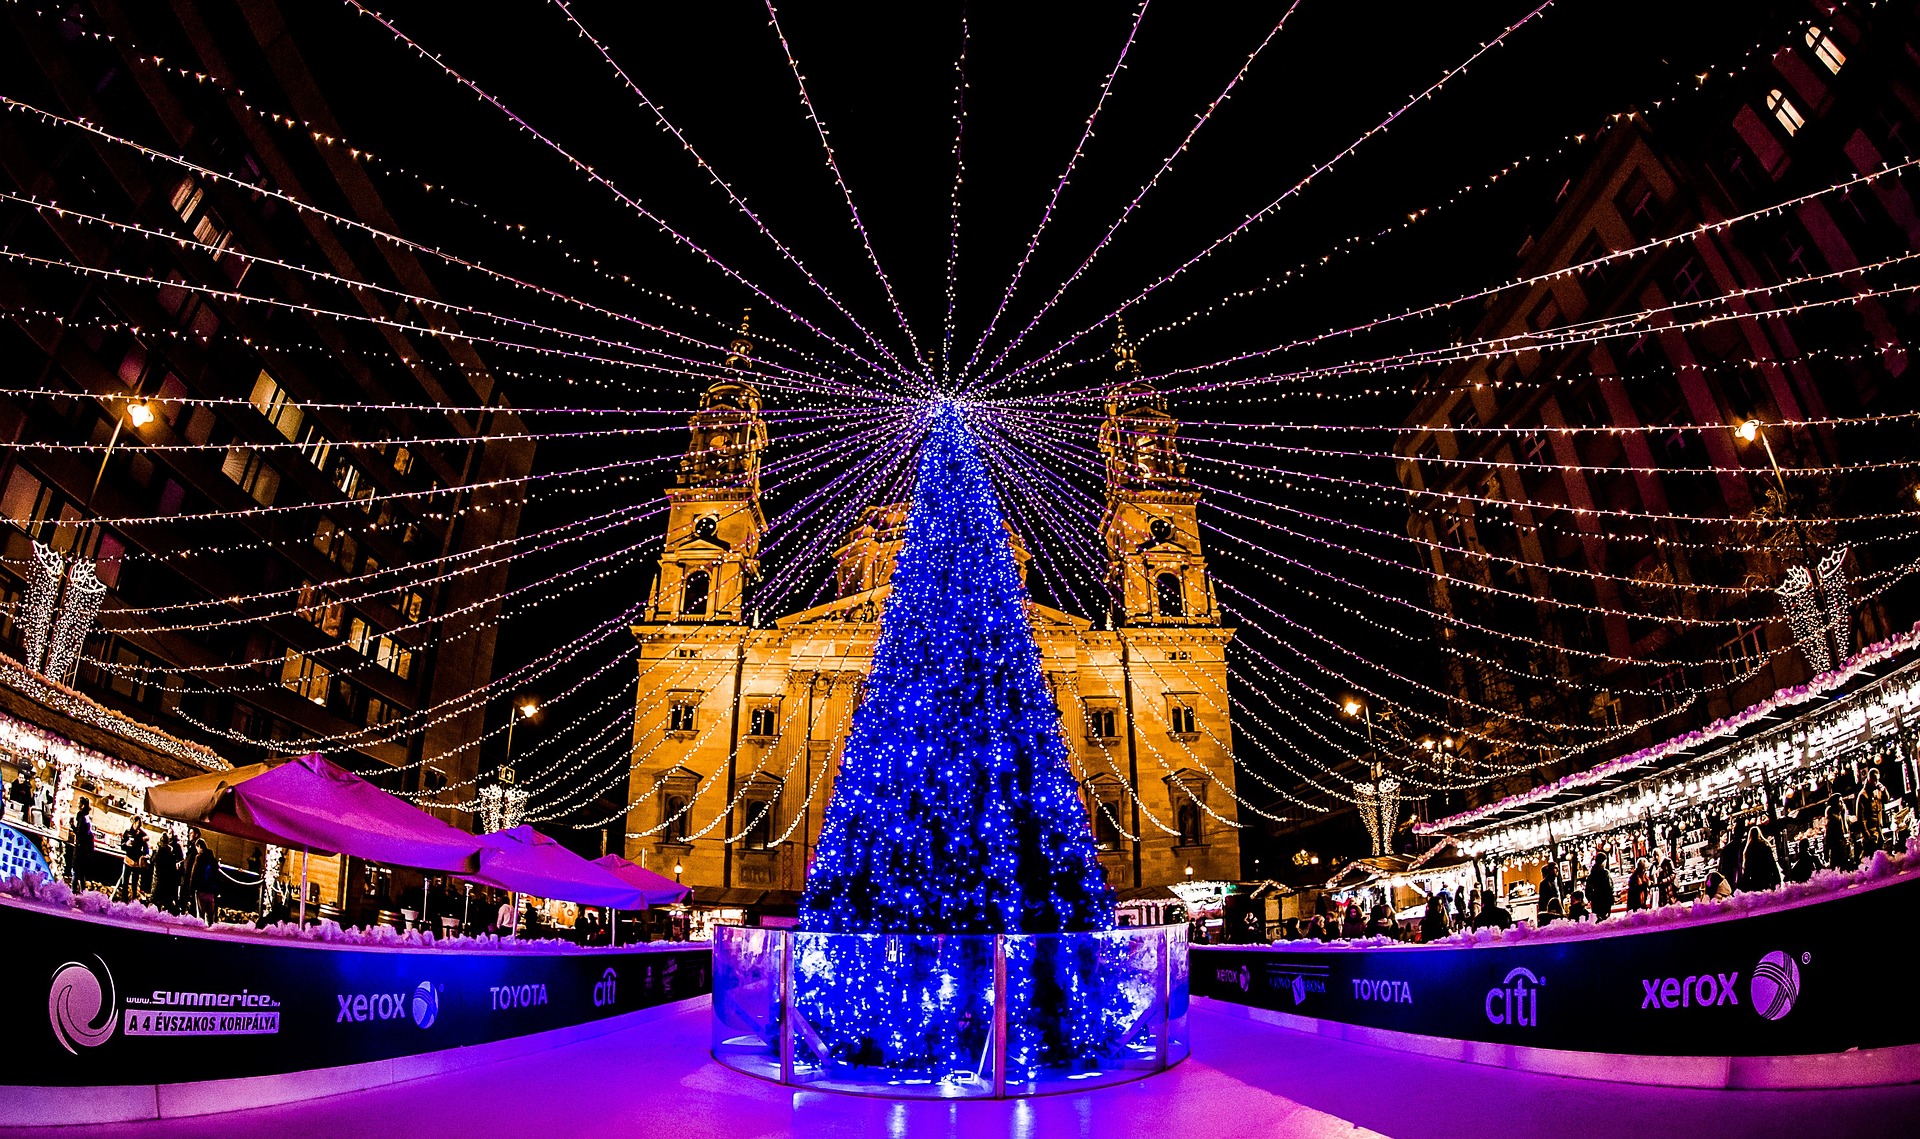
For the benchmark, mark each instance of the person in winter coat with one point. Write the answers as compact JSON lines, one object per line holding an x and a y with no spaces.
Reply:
{"x":133,"y":862}
{"x":21,"y":794}
{"x":1354,"y":924}
{"x":1870,"y":807}
{"x":1578,"y":908}
{"x":205,"y":883}
{"x":1380,"y":923}
{"x":166,"y":873}
{"x":1600,"y":886}
{"x":1551,"y":907}
{"x":1732,"y":852}
{"x":1640,"y":887}
{"x":1491,"y":914}
{"x":1717,"y":886}
{"x":1840,"y":854}
{"x":1803,"y":865}
{"x":1759,"y":869}
{"x":82,"y":845}
{"x":1666,"y":884}
{"x":1435,"y":923}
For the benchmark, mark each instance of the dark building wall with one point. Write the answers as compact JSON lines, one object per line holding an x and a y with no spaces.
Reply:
{"x":1552,"y":547}
{"x":308,"y":492}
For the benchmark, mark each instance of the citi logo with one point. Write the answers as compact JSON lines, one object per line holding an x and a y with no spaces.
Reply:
{"x":77,"y":1008}
{"x":1516,"y":1000}
{"x":517,"y":996}
{"x":1703,"y":991}
{"x":603,"y":989}
{"x":422,"y":1004}
{"x":1388,"y":992}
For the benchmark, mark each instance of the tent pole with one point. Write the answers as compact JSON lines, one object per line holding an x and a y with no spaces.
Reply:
{"x":304,"y":853}
{"x":613,"y":927}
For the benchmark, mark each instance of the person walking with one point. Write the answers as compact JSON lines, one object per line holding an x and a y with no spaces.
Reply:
{"x":1600,"y":886}
{"x":1802,"y":868}
{"x":1666,"y":884}
{"x":166,"y":873}
{"x":1838,"y":842}
{"x":1759,"y":868}
{"x":1551,"y":907}
{"x":1639,"y":887}
{"x":20,"y":794}
{"x":1491,"y":914}
{"x":80,"y":846}
{"x":1870,"y":807}
{"x":133,"y":862}
{"x":205,"y":883}
{"x":1732,"y":852}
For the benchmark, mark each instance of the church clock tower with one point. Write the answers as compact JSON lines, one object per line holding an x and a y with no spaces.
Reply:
{"x":714,"y":519}
{"x":1156,"y":573}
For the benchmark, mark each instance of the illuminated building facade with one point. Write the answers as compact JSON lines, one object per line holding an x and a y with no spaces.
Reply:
{"x":1633,"y":627}
{"x":738,"y":729}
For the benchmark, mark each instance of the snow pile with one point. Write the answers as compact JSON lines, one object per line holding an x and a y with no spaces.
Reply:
{"x":54,"y":894}
{"x":1880,"y":867}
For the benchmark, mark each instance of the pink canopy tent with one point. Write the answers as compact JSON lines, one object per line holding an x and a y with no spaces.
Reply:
{"x":317,"y":806}
{"x":525,"y":861}
{"x":657,"y":889}
{"x":312,"y":804}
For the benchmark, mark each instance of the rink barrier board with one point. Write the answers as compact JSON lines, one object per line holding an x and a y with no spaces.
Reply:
{"x":1803,"y":995}
{"x":93,"y":1000}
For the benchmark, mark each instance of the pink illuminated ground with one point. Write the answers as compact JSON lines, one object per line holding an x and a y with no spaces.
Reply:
{"x":1245,"y":1079}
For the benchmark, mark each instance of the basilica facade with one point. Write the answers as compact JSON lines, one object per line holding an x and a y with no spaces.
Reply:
{"x":739,"y":728}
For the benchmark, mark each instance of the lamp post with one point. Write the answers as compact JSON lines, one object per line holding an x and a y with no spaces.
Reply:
{"x":1748,"y":431}
{"x":676,"y":872}
{"x":523,"y":710}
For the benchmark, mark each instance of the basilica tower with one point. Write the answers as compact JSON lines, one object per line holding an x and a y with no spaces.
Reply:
{"x":1156,"y":573}
{"x":714,"y":519}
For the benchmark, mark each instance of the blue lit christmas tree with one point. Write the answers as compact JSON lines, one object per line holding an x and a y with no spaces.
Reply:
{"x":954,"y":810}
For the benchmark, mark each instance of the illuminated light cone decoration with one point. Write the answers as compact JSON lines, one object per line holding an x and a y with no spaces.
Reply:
{"x":955,"y":810}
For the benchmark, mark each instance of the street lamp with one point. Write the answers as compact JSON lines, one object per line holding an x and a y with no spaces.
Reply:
{"x":676,"y":871}
{"x":1189,"y":871}
{"x":141,"y":414}
{"x":524,"y":710}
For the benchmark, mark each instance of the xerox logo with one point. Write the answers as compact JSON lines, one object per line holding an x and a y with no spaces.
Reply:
{"x":80,"y":1013}
{"x":1241,"y":977}
{"x":423,"y":1004}
{"x":1516,"y":1000}
{"x":603,"y":989}
{"x":1775,"y":985}
{"x":1702,"y":991}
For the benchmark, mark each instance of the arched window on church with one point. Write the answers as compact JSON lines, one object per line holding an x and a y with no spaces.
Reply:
{"x":693,"y":593}
{"x":1189,"y":818}
{"x":1172,"y":602}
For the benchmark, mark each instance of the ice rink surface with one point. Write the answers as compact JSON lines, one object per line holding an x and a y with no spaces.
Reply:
{"x":655,"y":1079}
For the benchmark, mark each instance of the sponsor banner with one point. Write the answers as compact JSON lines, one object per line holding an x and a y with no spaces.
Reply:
{"x":97,"y":1003}
{"x":1814,"y":979}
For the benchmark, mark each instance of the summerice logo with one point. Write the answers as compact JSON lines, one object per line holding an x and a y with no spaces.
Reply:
{"x":1775,"y":985}
{"x":79,"y":1011}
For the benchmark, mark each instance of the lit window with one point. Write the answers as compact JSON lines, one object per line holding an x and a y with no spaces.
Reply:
{"x":1783,"y":109}
{"x":247,"y":469}
{"x":1825,"y":49}
{"x":305,"y":676}
{"x":272,"y":401}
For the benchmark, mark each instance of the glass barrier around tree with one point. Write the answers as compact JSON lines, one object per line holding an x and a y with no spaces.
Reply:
{"x":950,"y":1016}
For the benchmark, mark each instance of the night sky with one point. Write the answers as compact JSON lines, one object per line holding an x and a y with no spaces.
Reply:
{"x":883,"y":79}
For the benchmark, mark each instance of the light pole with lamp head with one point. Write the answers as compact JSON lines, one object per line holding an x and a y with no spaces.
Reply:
{"x":1748,"y":431}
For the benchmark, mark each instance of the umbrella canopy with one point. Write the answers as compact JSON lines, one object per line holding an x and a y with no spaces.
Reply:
{"x":655,"y":889}
{"x":316,"y":805}
{"x":524,"y":860}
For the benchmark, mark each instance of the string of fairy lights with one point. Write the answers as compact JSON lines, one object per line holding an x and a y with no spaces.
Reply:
{"x":1290,"y":504}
